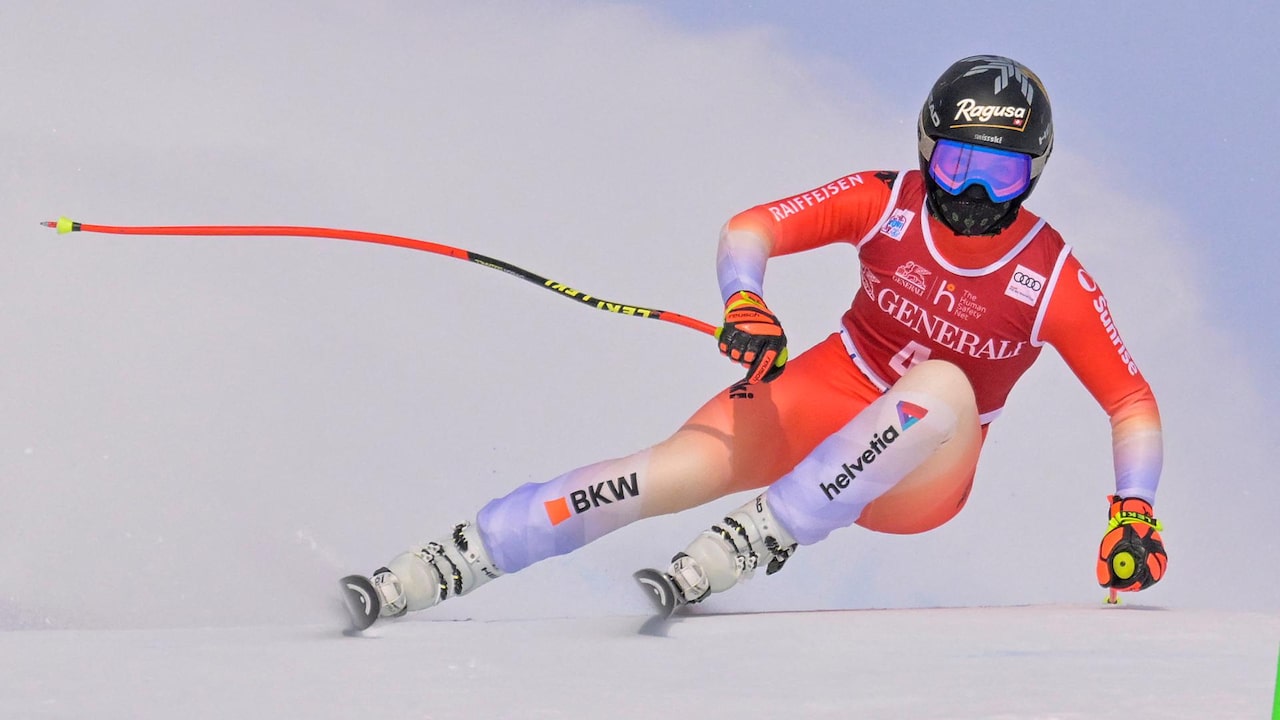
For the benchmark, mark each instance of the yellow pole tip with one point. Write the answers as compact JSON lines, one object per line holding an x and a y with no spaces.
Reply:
{"x":62,"y":225}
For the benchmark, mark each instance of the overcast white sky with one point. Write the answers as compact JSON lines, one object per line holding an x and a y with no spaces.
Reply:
{"x":192,"y":416}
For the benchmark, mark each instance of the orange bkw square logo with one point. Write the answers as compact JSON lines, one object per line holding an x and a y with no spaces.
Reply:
{"x":557,"y":510}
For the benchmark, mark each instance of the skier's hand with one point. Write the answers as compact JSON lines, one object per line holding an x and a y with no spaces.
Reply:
{"x":752,"y":336}
{"x":1132,"y":555}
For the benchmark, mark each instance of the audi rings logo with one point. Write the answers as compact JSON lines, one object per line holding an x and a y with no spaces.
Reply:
{"x":1025,"y":285}
{"x":1027,"y":281}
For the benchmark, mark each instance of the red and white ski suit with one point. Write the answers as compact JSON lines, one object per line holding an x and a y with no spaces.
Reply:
{"x":987,"y":305}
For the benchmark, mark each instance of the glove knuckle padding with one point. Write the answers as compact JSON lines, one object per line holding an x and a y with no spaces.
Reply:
{"x":752,"y":336}
{"x":1132,"y":554}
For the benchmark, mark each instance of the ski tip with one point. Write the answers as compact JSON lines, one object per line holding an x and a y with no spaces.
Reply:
{"x":62,"y":225}
{"x":661,"y":591}
{"x":362,"y":601}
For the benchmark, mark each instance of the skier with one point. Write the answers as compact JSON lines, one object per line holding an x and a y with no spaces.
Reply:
{"x":880,"y":424}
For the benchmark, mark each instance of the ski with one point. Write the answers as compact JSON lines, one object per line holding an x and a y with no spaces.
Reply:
{"x":661,"y":590}
{"x":362,"y":601}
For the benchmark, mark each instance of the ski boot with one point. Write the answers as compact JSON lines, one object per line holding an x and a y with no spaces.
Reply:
{"x":720,"y":558}
{"x":421,"y":578}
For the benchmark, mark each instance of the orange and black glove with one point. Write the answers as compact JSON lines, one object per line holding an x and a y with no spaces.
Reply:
{"x":752,"y":336}
{"x":1132,"y":555}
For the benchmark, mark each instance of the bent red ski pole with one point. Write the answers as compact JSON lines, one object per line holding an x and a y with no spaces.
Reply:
{"x":65,"y":225}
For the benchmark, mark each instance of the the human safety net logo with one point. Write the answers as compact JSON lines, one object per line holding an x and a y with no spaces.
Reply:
{"x":908,"y":415}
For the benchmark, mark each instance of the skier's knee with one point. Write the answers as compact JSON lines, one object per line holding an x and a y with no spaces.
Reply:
{"x":943,"y":380}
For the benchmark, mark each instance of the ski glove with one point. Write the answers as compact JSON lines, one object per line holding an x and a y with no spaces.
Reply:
{"x":1132,"y":555}
{"x":752,"y":336}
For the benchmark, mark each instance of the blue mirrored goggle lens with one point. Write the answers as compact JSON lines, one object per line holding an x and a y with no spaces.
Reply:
{"x":956,"y":166}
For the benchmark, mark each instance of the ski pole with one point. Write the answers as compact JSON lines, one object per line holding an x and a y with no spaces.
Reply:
{"x":65,"y":225}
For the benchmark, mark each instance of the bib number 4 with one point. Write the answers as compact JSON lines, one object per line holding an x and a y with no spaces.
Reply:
{"x":911,"y":354}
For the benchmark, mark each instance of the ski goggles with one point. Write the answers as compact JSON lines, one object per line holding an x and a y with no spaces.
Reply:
{"x":955,"y":166}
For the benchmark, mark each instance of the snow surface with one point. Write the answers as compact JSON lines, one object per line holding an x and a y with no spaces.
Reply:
{"x":1056,"y":661}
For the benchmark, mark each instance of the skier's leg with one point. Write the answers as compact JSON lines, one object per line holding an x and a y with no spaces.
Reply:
{"x":534,"y":522}
{"x":743,"y":438}
{"x":921,"y":436}
{"x":917,"y":444}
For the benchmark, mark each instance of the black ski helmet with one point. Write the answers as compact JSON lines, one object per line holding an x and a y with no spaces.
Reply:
{"x":992,"y":101}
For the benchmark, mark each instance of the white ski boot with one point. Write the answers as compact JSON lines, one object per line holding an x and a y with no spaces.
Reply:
{"x":721,"y":557}
{"x":425,"y":576}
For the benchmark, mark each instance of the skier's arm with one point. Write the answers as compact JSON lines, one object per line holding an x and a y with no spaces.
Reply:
{"x":1079,"y":324}
{"x":843,"y":210}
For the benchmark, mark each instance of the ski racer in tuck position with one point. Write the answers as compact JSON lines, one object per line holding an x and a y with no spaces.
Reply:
{"x":880,"y":424}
